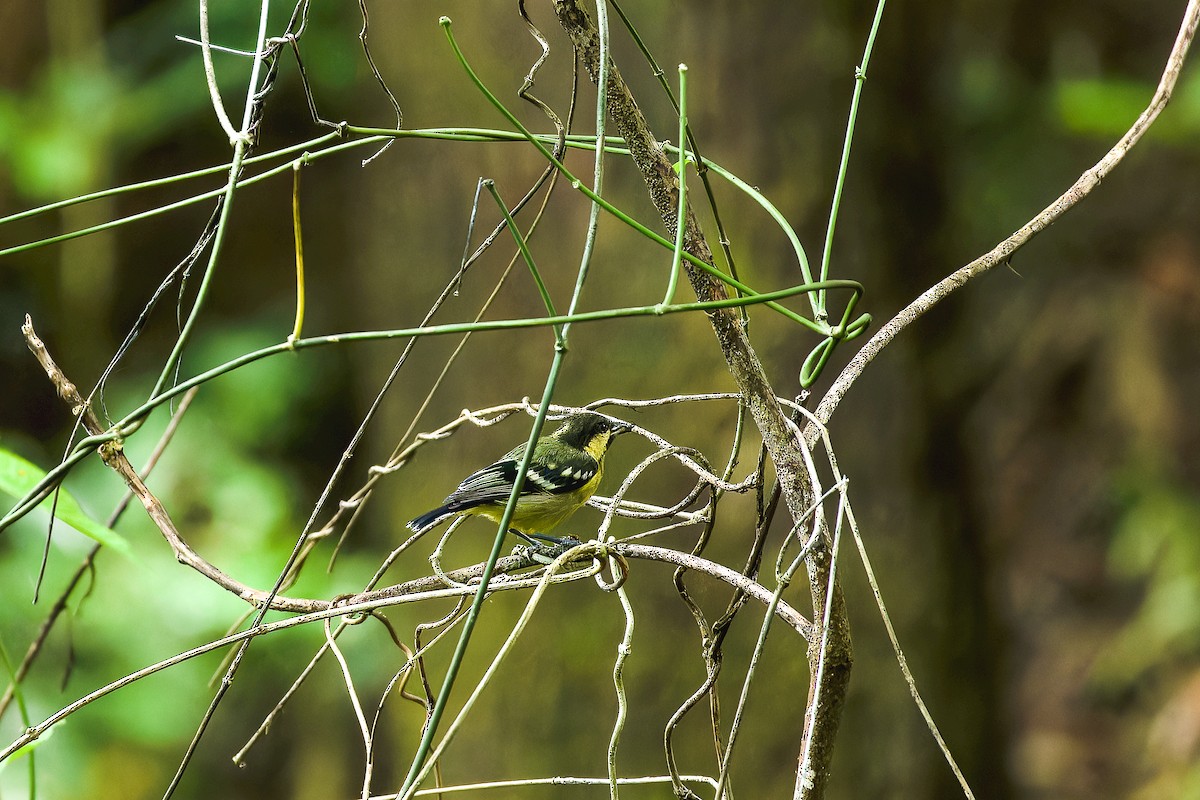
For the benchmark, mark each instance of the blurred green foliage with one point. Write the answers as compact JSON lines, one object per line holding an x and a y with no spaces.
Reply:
{"x":1155,"y":546}
{"x":19,"y":477}
{"x":1106,"y":108}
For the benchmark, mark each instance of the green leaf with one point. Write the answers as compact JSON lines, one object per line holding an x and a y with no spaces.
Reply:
{"x":689,"y":161}
{"x":18,"y":477}
{"x":29,"y":748}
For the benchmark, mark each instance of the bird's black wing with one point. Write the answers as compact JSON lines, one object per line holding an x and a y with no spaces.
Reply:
{"x":493,"y":484}
{"x":555,"y":478}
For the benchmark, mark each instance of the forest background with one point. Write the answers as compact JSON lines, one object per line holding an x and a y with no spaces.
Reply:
{"x":1024,"y":460}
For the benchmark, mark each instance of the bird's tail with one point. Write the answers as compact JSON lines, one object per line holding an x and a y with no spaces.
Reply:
{"x":430,"y":518}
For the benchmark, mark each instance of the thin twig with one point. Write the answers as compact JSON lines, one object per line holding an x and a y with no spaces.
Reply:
{"x":402,"y":595}
{"x":355,"y":704}
{"x":623,"y":651}
{"x":210,"y":75}
{"x":85,"y":566}
{"x":902,"y":661}
{"x":741,"y":359}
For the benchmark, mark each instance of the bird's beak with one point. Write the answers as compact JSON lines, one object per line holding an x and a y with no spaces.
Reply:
{"x":620,"y":428}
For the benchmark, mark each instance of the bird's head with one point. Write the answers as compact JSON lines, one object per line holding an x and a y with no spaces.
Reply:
{"x":590,"y":432}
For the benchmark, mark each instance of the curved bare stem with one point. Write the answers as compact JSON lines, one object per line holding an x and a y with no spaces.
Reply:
{"x":1003,"y":252}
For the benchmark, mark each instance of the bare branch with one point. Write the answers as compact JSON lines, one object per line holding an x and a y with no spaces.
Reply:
{"x":745,"y":367}
{"x":1003,"y":252}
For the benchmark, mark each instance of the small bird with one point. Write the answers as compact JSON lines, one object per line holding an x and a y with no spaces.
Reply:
{"x":564,"y":472}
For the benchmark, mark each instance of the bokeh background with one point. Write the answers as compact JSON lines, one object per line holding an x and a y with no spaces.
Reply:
{"x":1023,"y":461}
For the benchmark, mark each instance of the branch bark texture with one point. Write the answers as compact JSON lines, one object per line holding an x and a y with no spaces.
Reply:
{"x":746,"y":369}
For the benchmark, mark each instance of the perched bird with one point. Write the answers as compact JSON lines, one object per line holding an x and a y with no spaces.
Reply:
{"x":564,"y":472}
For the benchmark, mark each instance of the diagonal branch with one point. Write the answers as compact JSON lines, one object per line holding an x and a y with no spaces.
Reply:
{"x":114,"y":457}
{"x":747,"y":370}
{"x":1003,"y":252}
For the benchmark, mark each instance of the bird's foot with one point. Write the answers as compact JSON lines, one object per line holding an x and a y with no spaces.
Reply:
{"x":544,"y":549}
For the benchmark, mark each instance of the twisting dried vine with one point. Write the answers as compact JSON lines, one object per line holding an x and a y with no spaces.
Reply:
{"x":747,"y":371}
